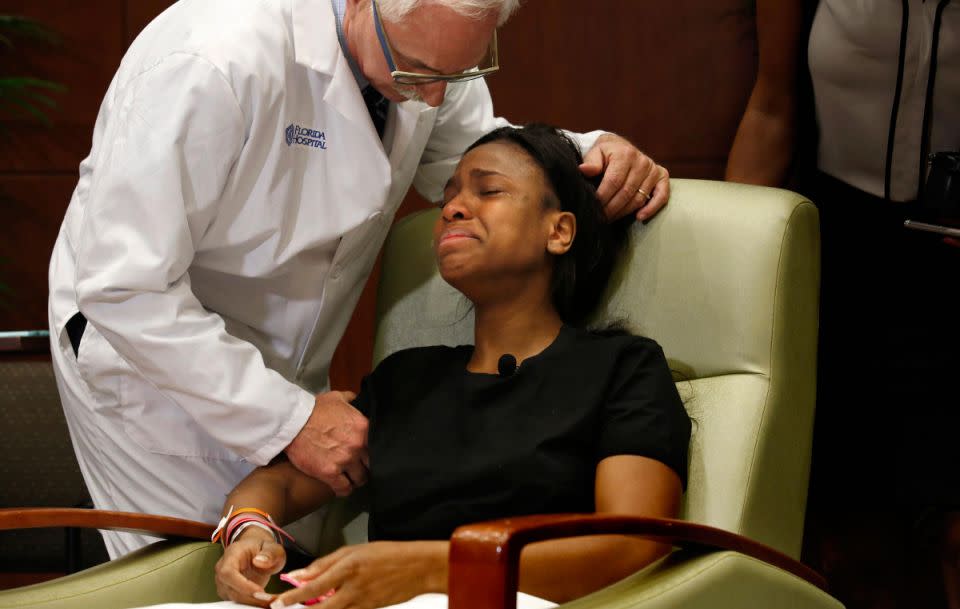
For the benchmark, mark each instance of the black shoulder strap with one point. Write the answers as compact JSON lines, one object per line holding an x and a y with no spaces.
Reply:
{"x":904,"y":25}
{"x":928,"y":102}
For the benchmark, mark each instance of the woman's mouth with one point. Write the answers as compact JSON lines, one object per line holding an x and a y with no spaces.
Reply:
{"x":456,"y":235}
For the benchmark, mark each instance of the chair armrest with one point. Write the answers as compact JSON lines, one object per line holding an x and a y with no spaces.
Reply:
{"x":143,"y":524}
{"x":485,"y":557}
{"x":167,"y":571}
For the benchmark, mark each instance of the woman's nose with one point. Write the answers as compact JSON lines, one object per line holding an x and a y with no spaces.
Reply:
{"x":433,"y":93}
{"x":456,"y":209}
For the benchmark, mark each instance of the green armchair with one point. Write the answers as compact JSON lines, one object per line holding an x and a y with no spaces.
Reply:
{"x":726,"y":279}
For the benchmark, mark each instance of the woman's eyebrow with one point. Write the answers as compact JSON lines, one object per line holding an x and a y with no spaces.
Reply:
{"x":474,"y":173}
{"x":482,"y":173}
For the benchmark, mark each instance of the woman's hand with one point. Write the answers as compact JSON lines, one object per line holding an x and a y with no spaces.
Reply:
{"x":372,"y":575}
{"x":246,"y":566}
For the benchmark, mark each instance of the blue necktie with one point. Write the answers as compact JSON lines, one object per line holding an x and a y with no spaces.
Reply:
{"x":377,"y":105}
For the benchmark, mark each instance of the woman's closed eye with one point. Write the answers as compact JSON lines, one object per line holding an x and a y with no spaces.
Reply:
{"x":483,"y":192}
{"x":490,"y":187}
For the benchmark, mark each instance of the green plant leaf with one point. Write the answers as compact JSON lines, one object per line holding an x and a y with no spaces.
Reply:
{"x":25,"y":94}
{"x":22,"y":82}
{"x":27,"y":107}
{"x":24,"y":27}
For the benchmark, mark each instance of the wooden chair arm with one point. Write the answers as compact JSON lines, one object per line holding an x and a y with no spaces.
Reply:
{"x":143,"y":524}
{"x":485,"y":557}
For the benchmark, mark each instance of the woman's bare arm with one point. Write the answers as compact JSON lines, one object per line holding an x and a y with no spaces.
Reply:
{"x":565,"y":569}
{"x":762,"y":150}
{"x":385,"y":573}
{"x":281,"y":490}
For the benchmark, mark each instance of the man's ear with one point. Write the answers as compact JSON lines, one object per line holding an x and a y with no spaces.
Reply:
{"x":563,"y":229}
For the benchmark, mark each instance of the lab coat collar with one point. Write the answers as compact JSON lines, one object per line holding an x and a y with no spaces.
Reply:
{"x":406,"y":119}
{"x":316,"y":47}
{"x":315,"y":43}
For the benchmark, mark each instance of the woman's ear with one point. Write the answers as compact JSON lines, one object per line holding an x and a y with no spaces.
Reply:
{"x":563,"y":229}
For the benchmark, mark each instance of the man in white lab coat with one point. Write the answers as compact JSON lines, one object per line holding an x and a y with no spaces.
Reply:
{"x":242,"y":179}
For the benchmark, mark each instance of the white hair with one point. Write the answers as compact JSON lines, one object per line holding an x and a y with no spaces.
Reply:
{"x":395,"y":10}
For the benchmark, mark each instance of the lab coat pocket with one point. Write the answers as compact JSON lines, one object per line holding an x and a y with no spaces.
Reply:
{"x":148,"y":417}
{"x":101,"y":368}
{"x":158,"y":425}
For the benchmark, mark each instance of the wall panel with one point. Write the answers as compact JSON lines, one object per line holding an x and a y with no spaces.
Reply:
{"x":39,"y":164}
{"x":139,"y":13}
{"x":672,"y":76}
{"x":32,"y":209}
{"x":91,"y":44}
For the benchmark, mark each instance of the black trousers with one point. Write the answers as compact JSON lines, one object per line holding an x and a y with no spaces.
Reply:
{"x":887,"y":429}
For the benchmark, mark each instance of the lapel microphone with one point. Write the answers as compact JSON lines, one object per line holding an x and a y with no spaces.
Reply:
{"x":506,"y":365}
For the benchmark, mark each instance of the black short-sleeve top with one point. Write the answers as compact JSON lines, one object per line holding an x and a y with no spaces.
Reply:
{"x":450,"y":447}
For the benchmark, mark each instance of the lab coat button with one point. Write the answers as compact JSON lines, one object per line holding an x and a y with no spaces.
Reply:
{"x":335,"y":273}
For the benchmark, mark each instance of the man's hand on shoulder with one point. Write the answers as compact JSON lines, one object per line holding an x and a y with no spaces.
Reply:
{"x":632,"y":182}
{"x":332,"y":446}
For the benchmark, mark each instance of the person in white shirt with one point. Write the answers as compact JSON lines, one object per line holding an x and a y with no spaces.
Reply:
{"x":886,"y":84}
{"x":243,"y":175}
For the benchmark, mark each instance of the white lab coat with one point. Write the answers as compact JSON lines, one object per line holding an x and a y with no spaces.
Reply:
{"x":226,"y":219}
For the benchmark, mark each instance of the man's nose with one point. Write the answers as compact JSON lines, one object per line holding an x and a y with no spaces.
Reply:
{"x":433,"y":93}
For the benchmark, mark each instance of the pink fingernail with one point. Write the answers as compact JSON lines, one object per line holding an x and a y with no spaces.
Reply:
{"x":291,"y":579}
{"x":296,"y":583}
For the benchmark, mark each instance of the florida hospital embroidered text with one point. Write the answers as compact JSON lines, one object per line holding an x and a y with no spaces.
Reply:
{"x":303,"y":136}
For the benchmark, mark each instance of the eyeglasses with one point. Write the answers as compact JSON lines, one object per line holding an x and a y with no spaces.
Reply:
{"x":488,"y":65}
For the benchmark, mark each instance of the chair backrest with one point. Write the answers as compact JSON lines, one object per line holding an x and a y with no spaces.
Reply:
{"x":38,"y":467}
{"x":726,"y":279}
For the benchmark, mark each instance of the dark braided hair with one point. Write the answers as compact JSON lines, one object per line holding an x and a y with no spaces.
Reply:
{"x":581,"y":274}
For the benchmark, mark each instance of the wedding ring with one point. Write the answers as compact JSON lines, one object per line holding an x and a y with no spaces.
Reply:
{"x":644,"y":193}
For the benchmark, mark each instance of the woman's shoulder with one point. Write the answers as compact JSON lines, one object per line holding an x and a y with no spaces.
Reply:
{"x":616,"y":340}
{"x":617,"y":355}
{"x":418,"y":358}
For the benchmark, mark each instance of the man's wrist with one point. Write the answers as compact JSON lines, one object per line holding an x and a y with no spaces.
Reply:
{"x":295,"y":420}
